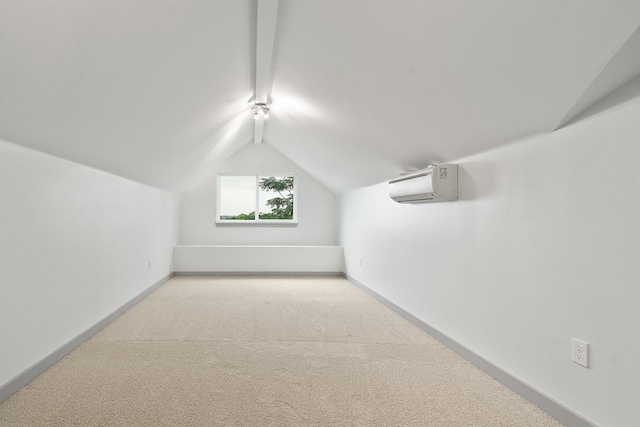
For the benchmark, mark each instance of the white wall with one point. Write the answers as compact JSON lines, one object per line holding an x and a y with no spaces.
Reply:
{"x":75,"y":245}
{"x":543,"y":245}
{"x":316,"y":206}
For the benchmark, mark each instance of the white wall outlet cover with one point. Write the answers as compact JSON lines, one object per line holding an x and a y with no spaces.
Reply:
{"x":580,"y":352}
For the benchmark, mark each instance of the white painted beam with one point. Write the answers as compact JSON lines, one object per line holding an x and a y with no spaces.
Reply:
{"x":267,"y":16}
{"x":266,"y":31}
{"x":257,"y":136}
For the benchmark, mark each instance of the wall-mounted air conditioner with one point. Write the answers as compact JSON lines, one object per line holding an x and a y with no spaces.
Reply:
{"x":433,"y":184}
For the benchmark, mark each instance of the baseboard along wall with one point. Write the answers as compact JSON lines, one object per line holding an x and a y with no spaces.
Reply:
{"x":550,"y":406}
{"x":262,"y":273}
{"x":31,"y":373}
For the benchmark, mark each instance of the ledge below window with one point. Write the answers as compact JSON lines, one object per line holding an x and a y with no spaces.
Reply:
{"x":256,"y":223}
{"x":253,"y":259}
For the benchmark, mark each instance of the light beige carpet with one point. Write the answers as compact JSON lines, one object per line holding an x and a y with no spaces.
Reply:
{"x":265,"y":351}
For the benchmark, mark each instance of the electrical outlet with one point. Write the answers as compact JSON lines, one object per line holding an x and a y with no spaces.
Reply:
{"x":360,"y":262}
{"x":580,"y":352}
{"x":149,"y":264}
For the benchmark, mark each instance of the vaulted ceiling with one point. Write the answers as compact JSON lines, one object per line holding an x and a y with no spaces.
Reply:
{"x":158,"y":91}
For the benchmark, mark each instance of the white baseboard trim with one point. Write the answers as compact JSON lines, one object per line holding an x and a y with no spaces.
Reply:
{"x":261,"y":273}
{"x":31,"y":373}
{"x":550,"y":406}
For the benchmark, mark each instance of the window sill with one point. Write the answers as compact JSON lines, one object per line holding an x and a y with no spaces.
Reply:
{"x":262,"y":223}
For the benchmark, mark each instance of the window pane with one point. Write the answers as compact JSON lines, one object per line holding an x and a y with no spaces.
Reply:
{"x":276,"y":197}
{"x":237,"y":197}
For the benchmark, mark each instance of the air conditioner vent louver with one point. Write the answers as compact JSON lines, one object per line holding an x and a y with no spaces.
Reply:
{"x":433,"y":184}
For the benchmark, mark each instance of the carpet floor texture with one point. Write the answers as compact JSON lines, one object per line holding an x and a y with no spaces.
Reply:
{"x":246,"y":351}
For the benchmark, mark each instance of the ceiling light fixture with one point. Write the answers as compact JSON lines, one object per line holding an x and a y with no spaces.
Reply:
{"x":260,"y":110}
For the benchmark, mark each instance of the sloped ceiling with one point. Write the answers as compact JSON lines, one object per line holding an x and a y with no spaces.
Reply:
{"x":157,"y":91}
{"x":146,"y":89}
{"x":623,"y":68}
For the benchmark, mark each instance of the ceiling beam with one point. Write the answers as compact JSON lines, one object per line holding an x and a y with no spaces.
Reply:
{"x":267,"y":16}
{"x":257,"y":136}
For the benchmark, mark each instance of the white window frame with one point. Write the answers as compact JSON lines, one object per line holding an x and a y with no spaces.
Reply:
{"x":257,"y":221}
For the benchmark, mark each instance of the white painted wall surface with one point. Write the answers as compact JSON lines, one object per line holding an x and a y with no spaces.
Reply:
{"x":543,"y":245}
{"x":258,"y":259}
{"x":75,"y":245}
{"x":316,"y":206}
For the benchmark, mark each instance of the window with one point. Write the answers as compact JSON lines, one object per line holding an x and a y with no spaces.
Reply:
{"x":256,"y":199}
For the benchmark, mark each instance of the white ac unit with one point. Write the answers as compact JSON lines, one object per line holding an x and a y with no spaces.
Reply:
{"x":433,"y":184}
